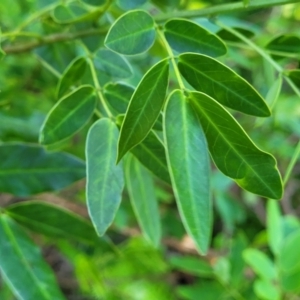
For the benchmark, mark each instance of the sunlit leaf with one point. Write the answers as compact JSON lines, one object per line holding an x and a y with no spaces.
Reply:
{"x":187,"y":36}
{"x":233,"y":152}
{"x":144,"y":107}
{"x":189,"y":166}
{"x":68,"y":115}
{"x":141,"y":191}
{"x":211,"y":77}
{"x":266,"y":289}
{"x":23,"y":266}
{"x":27,"y":169}
{"x":105,"y":180}
{"x":132,"y":33}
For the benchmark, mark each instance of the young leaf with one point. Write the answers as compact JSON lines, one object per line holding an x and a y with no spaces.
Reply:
{"x":68,"y":115}
{"x":187,"y":36}
{"x":23,"y":266}
{"x":211,"y":77}
{"x":189,"y":167}
{"x":71,"y":75}
{"x":112,"y":64}
{"x":233,"y":151}
{"x":151,"y":153}
{"x":144,"y":107}
{"x":132,"y":33}
{"x":52,"y":221}
{"x":141,"y":191}
{"x":27,"y":169}
{"x":105,"y":180}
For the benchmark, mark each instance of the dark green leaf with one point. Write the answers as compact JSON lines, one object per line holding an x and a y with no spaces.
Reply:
{"x":71,"y":75}
{"x":68,"y":115}
{"x":209,"y":76}
{"x":189,"y":167}
{"x":27,"y":169}
{"x":23,"y":266}
{"x":294,"y":75}
{"x":141,"y":191}
{"x":233,"y":151}
{"x":132,"y":33}
{"x":118,"y":96}
{"x":228,"y":36}
{"x":52,"y":221}
{"x":187,"y":36}
{"x":151,"y":153}
{"x":144,"y":107}
{"x":285,"y":43}
{"x":105,"y":180}
{"x":128,"y":5}
{"x":112,"y":64}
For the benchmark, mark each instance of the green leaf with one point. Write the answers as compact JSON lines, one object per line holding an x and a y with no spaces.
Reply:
{"x":112,"y":64}
{"x":189,"y":167}
{"x":290,"y":282}
{"x":289,"y":255}
{"x":95,"y":2}
{"x":52,"y":221}
{"x":27,"y":169}
{"x":23,"y":266}
{"x":151,"y":153}
{"x":132,"y":4}
{"x":187,"y":36}
{"x":285,"y":43}
{"x":294,"y":75}
{"x":266,"y":290}
{"x":211,"y":77}
{"x":118,"y":96}
{"x":233,"y":151}
{"x":68,"y":115}
{"x":105,"y":180}
{"x":132,"y":33}
{"x":144,"y":107}
{"x":260,"y":263}
{"x":71,"y":75}
{"x":228,"y":36}
{"x":141,"y":191}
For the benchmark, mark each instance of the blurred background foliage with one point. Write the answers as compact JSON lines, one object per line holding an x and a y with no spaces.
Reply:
{"x":243,"y":262}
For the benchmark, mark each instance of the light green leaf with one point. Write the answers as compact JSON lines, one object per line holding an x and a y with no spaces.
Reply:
{"x":290,"y":282}
{"x":144,"y":107}
{"x":132,"y":33}
{"x":68,"y":115}
{"x":112,"y":64}
{"x":71,"y":76}
{"x":27,"y":169}
{"x":23,"y":266}
{"x":233,"y":151}
{"x":274,"y":226}
{"x":211,"y":77}
{"x":266,"y":290}
{"x":2,"y":53}
{"x":128,"y":5}
{"x":95,"y":2}
{"x":289,"y":255}
{"x":105,"y":180}
{"x":141,"y":191}
{"x":294,"y":75}
{"x":187,"y":36}
{"x":151,"y":153}
{"x":189,"y":167}
{"x":260,"y":263}
{"x":52,"y":221}
{"x":118,"y":96}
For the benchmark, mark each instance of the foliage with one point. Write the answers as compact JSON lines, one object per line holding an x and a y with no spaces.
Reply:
{"x":173,"y":112}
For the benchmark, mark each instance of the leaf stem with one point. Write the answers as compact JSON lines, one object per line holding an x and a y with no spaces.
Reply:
{"x":172,"y":58}
{"x":292,"y":163}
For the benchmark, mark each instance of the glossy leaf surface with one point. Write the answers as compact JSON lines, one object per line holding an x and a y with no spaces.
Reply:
{"x":68,"y":115}
{"x":211,"y":77}
{"x":112,"y":64}
{"x":142,"y":196}
{"x":105,"y":180}
{"x":233,"y":152}
{"x":189,"y":167}
{"x":52,"y":221}
{"x":23,"y":266}
{"x":144,"y":107}
{"x":27,"y":169}
{"x":151,"y":153}
{"x":71,"y":75}
{"x":187,"y":36}
{"x":132,"y":33}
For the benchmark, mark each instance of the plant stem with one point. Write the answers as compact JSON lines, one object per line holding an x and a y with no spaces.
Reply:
{"x":172,"y":58}
{"x":291,"y":165}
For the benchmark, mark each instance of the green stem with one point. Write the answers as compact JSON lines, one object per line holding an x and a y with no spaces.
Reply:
{"x":172,"y":58}
{"x":292,"y":163}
